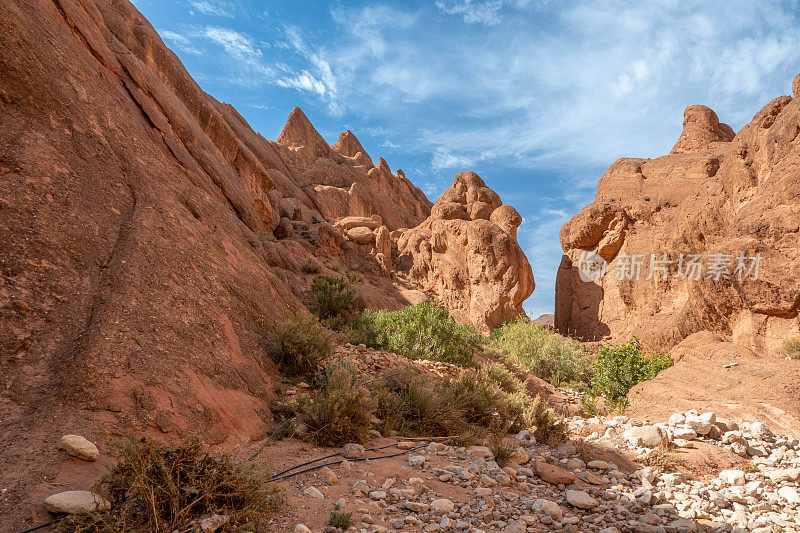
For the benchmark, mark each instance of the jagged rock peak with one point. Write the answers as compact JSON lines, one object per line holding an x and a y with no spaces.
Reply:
{"x":796,"y":86}
{"x":349,"y":146}
{"x":298,"y":131}
{"x":701,"y":127}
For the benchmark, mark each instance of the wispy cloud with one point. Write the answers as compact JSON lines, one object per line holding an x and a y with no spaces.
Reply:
{"x":473,"y":11}
{"x":180,"y":42}
{"x":218,"y":8}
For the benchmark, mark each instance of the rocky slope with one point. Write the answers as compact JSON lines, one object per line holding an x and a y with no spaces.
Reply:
{"x":717,"y":196}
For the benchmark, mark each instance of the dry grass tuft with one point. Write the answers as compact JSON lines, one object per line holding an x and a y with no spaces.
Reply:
{"x":164,"y":489}
{"x":661,"y":457}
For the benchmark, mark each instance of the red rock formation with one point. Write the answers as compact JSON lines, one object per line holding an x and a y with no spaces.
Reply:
{"x":714,"y":193}
{"x":466,"y":254}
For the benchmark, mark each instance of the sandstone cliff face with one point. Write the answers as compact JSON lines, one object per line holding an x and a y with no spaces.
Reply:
{"x":150,"y":240}
{"x":466,"y":254}
{"x":715,"y":193}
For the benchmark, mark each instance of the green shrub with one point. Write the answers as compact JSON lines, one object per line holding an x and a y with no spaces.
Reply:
{"x":792,"y":349}
{"x":300,"y":345}
{"x":618,"y":368}
{"x":164,"y":488}
{"x":310,"y":266}
{"x":543,"y":353}
{"x":340,"y":520}
{"x":341,"y":409}
{"x":424,"y":331}
{"x":502,"y":376}
{"x":331,"y":297}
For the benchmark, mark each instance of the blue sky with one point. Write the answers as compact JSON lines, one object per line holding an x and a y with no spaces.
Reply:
{"x":538,"y":97}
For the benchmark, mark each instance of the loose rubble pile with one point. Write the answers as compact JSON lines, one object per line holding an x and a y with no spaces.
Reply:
{"x":449,"y":488}
{"x":370,"y":363}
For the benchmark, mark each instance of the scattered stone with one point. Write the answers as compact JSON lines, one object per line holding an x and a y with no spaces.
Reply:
{"x":301,"y":528}
{"x":442,"y":505}
{"x":76,"y":501}
{"x":79,"y":447}
{"x":580,"y":499}
{"x":213,"y":523}
{"x":547,"y":507}
{"x":647,"y":436}
{"x":553,"y":474}
{"x":597,"y":465}
{"x":353,"y":451}
{"x":328,"y":476}
{"x":313,"y":492}
{"x":480,"y":451}
{"x":789,"y":494}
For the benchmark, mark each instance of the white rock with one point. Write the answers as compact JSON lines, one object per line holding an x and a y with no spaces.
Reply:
{"x":732,"y":477}
{"x":416,"y":461}
{"x":684,"y":433}
{"x":76,"y":501}
{"x":313,"y":492}
{"x":760,"y":431}
{"x":442,"y":505}
{"x":789,"y":494}
{"x":701,"y":424}
{"x":676,"y":419}
{"x":547,"y":507}
{"x":79,"y":447}
{"x":580,"y":499}
{"x":647,"y":436}
{"x":301,"y":528}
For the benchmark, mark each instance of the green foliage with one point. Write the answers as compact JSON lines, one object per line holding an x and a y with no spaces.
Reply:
{"x":341,"y":409}
{"x":792,"y":349}
{"x":542,"y":352}
{"x":300,"y":345}
{"x":163,"y":489}
{"x":618,"y":368}
{"x":331,"y":297}
{"x":340,"y":520}
{"x":310,"y":266}
{"x":423,"y":331}
{"x":502,"y":451}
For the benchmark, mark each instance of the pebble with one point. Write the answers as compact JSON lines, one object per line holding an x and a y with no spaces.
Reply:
{"x":79,"y":447}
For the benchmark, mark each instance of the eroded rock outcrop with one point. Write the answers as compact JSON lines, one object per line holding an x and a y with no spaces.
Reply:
{"x":466,"y":254}
{"x":727,"y":198}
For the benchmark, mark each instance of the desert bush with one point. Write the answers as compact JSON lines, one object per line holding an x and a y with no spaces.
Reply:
{"x":412,"y":402}
{"x":340,"y":520}
{"x":482,"y":402}
{"x":300,"y":345}
{"x":424,"y":331}
{"x":163,"y":489}
{"x":502,"y":451}
{"x":331,"y":297}
{"x":341,"y":409}
{"x":662,"y":458}
{"x":310,"y":266}
{"x":542,"y":352}
{"x":550,"y":428}
{"x":502,"y":376}
{"x":618,"y":368}
{"x":792,"y":349}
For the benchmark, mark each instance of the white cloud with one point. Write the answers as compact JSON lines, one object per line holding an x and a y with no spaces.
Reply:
{"x":473,"y":11}
{"x":235,"y":43}
{"x":389,"y":145}
{"x":218,"y":8}
{"x":180,"y":42}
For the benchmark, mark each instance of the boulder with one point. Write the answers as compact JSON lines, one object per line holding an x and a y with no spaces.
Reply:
{"x":360,"y":235}
{"x":547,"y":507}
{"x":352,"y":451}
{"x":466,"y":254}
{"x":647,"y":436}
{"x":284,"y":230}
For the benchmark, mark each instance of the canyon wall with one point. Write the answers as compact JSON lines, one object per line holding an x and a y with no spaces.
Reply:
{"x":704,"y":238}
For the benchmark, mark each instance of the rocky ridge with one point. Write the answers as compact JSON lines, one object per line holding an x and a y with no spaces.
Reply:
{"x":716,"y":194}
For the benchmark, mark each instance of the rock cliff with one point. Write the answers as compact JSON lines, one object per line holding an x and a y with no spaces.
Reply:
{"x":720,"y":215}
{"x":151,"y":241}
